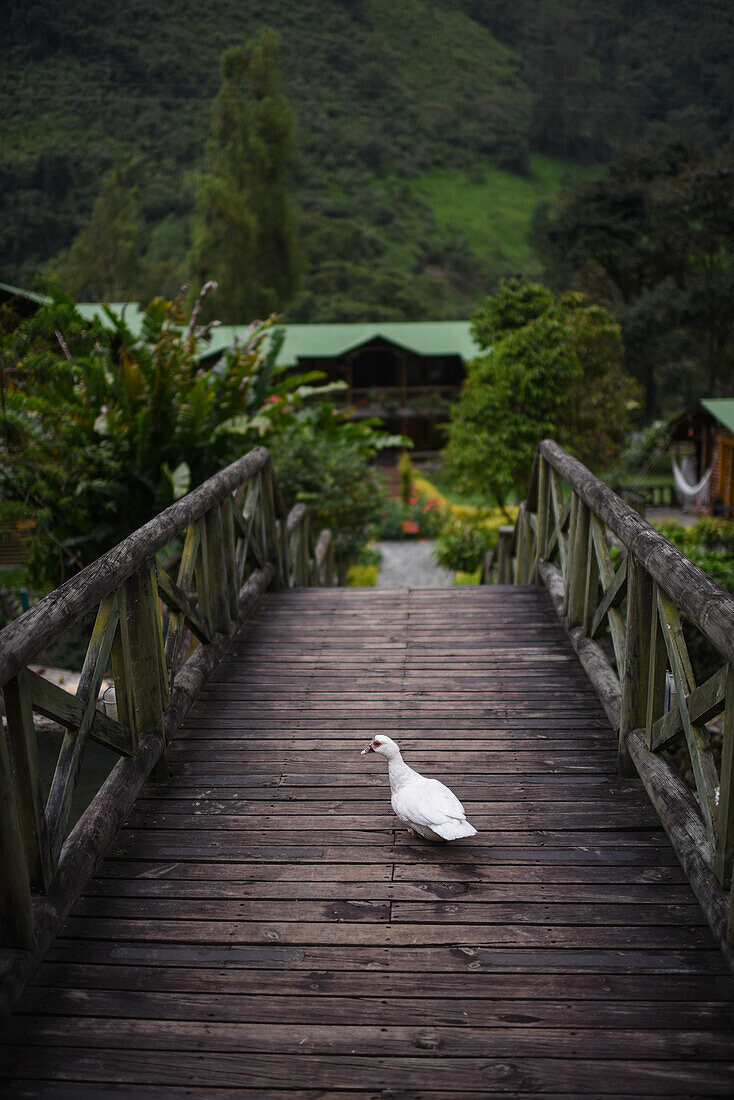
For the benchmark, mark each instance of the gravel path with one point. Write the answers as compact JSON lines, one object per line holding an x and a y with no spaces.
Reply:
{"x":411,"y":564}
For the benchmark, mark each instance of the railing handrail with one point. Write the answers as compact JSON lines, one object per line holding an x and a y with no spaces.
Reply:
{"x":160,"y":636}
{"x":703,"y":601}
{"x":646,"y":603}
{"x":82,"y":593}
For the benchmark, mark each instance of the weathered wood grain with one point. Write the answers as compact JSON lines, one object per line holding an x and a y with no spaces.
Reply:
{"x":263,"y":926}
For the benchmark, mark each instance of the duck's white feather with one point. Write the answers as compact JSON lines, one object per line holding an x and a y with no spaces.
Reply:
{"x":425,"y":805}
{"x":427,"y":802}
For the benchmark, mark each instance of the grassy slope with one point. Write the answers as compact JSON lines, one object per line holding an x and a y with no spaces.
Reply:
{"x":493,"y":208}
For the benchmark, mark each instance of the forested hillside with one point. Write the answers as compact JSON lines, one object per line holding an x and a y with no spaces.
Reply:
{"x":426,"y":132}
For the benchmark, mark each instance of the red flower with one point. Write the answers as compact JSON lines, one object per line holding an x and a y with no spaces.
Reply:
{"x":409,"y":527}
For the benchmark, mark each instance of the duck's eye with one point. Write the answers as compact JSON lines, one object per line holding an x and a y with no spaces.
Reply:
{"x":376,"y":744}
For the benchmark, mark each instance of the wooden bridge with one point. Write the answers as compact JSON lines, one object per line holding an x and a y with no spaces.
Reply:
{"x":261,"y":926}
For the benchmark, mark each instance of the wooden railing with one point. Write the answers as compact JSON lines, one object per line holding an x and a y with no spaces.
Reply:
{"x":417,"y":397}
{"x":631,"y":602}
{"x":158,"y":637}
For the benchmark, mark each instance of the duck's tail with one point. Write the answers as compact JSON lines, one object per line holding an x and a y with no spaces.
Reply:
{"x":454,"y":829}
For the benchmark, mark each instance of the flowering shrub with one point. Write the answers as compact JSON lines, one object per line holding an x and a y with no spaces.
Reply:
{"x":419,"y":517}
{"x":462,"y":547}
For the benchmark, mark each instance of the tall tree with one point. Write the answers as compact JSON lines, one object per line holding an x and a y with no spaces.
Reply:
{"x":552,"y":368}
{"x":105,"y":260}
{"x":245,"y":226}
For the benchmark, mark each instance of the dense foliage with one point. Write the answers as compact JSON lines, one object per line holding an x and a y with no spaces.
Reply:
{"x":709,"y":544}
{"x":102,"y":427}
{"x":553,"y":368}
{"x":653,"y":238}
{"x":323,"y":458}
{"x":384,"y":96}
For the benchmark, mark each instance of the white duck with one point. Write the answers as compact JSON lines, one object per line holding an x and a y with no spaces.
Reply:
{"x":426,"y":806}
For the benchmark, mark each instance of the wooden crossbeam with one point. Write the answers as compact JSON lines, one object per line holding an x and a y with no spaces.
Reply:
{"x":177,"y":600}
{"x":612,"y":597}
{"x":61,"y":706}
{"x":607,"y":575}
{"x":703,"y":704}
{"x":699,"y":748}
{"x":68,"y":767}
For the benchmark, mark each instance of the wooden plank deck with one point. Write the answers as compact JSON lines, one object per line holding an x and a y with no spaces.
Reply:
{"x":264,"y":928}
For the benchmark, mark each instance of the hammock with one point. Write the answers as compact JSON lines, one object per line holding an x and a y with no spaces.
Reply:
{"x":697,"y":493}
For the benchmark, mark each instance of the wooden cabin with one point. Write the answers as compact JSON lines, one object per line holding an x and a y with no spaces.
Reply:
{"x":709,"y":427}
{"x":406,"y":373}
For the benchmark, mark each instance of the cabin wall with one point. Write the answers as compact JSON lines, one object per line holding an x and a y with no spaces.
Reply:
{"x":722,"y":475}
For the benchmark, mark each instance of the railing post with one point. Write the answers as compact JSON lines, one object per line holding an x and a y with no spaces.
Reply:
{"x":229,"y":539}
{"x":28,"y":793}
{"x":578,"y":549}
{"x":16,"y":910}
{"x":147,"y":674}
{"x":215,"y":564}
{"x":591,"y":585}
{"x":275,"y":537}
{"x":725,"y":818}
{"x":521,"y":557}
{"x":658,"y":664}
{"x":568,"y":573}
{"x":542,"y":514}
{"x":636,"y":673}
{"x":504,"y":556}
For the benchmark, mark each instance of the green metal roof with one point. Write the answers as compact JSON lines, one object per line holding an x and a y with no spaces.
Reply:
{"x":331,"y":341}
{"x":309,"y":341}
{"x":130,"y":312}
{"x":89,"y":310}
{"x":722,"y":409}
{"x":17,"y":292}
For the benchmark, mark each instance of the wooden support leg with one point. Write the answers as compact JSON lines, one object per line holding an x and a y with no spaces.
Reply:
{"x":636,"y":673}
{"x":725,"y":847}
{"x":16,"y":911}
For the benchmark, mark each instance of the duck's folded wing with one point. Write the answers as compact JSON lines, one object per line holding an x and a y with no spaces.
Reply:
{"x":427,"y":802}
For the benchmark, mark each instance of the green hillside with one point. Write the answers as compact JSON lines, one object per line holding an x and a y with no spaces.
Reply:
{"x":426,"y":131}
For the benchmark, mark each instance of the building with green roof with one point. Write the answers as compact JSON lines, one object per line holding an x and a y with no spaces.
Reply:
{"x":709,"y":428}
{"x":407,"y":373}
